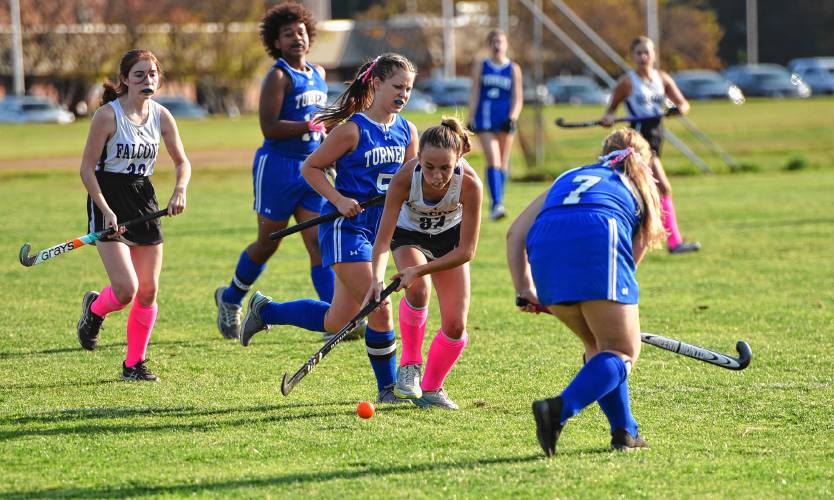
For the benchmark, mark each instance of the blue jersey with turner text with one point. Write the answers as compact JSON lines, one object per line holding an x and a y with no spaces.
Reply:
{"x":306,"y":97}
{"x":366,"y":171}
{"x":495,"y":95}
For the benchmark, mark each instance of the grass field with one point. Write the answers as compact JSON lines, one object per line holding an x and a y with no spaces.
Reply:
{"x":218,"y":426}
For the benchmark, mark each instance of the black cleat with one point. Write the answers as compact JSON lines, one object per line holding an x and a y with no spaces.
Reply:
{"x":685,"y":247}
{"x":89,"y":324}
{"x":138,"y":372}
{"x":547,"y":413}
{"x":621,"y":440}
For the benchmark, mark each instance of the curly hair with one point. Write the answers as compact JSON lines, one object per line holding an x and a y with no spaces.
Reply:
{"x":281,"y":15}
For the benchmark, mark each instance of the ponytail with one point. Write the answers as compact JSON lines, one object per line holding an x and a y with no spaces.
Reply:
{"x":359,"y":95}
{"x":450,"y":135}
{"x":629,"y":148}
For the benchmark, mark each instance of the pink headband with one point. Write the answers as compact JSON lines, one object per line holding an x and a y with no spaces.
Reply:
{"x":615,"y":157}
{"x":367,"y":74}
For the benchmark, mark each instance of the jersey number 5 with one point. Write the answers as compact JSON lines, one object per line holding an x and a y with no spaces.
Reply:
{"x":585,"y":182}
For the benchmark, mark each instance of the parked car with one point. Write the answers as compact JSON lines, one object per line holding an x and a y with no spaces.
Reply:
{"x":817,"y":72}
{"x":181,"y":107}
{"x":536,"y":94}
{"x":420,"y":101}
{"x":576,"y":90}
{"x":768,"y":80}
{"x":448,"y":92}
{"x":707,"y":84}
{"x":33,"y":109}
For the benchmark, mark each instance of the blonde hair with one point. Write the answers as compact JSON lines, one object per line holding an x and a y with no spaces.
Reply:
{"x":640,"y":39}
{"x":637,"y":169}
{"x":449,"y":135}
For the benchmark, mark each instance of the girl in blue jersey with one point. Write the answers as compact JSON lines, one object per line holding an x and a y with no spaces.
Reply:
{"x":431,"y":223}
{"x":645,"y":91}
{"x":574,"y":250}
{"x":494,"y":107}
{"x":291,"y":93}
{"x":369,"y":144}
{"x":116,"y":168}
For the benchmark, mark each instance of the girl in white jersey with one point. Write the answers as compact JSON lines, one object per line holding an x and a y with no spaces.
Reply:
{"x":645,"y":91}
{"x":431,"y":223}
{"x":118,"y":160}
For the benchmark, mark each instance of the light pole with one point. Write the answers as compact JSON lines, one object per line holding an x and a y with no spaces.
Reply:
{"x":17,"y":48}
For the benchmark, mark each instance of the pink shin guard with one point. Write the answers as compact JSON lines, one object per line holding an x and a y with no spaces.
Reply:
{"x":670,"y":221}
{"x":139,"y":326}
{"x":412,"y":330}
{"x":443,"y":354}
{"x":106,"y":303}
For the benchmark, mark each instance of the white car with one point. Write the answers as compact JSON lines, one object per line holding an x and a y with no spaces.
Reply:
{"x":33,"y":109}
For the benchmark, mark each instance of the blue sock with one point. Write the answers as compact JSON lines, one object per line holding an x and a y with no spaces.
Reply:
{"x":493,"y":181}
{"x":617,"y":408}
{"x":304,"y":313}
{"x":600,"y":375}
{"x":322,"y":278}
{"x":502,"y":180}
{"x":382,"y":351}
{"x":246,"y":273}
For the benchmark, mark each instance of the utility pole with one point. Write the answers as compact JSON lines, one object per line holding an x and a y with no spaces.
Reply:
{"x":503,"y":17}
{"x":448,"y":39}
{"x":752,"y":32}
{"x":17,"y":48}
{"x":652,"y":26}
{"x":538,"y":76}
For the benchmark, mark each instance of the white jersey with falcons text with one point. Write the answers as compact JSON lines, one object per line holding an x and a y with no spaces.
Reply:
{"x":417,"y":215}
{"x":133,"y":148}
{"x":647,"y":96}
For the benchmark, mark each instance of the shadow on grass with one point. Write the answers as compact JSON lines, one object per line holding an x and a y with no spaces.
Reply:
{"x":223,"y":487}
{"x":103,"y":347}
{"x":85,"y":417}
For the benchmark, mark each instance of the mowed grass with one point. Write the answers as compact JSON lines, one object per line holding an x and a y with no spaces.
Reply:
{"x":762,"y":134}
{"x":218,"y":426}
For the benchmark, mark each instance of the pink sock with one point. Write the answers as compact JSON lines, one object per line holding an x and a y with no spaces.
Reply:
{"x":670,"y":221}
{"x":412,"y":330}
{"x":106,"y":303}
{"x":139,"y":326}
{"x":443,"y":354}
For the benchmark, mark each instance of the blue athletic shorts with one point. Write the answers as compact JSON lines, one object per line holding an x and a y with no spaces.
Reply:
{"x":579,"y":254}
{"x":348,"y":240}
{"x":279,"y":186}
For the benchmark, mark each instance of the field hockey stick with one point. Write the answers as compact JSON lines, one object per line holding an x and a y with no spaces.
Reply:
{"x":315,"y":221}
{"x":745,"y":354}
{"x":62,"y":248}
{"x":287,"y":384}
{"x":594,"y":123}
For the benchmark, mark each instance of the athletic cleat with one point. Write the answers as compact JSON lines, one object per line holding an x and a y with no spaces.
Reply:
{"x":228,"y":315}
{"x":408,"y":382}
{"x":355,"y":334}
{"x":436,"y":399}
{"x":547,"y":413}
{"x":387,"y":395}
{"x":90,"y":323}
{"x":138,"y":372}
{"x":621,"y":440}
{"x":252,"y":322}
{"x":498,"y":212}
{"x":685,"y":247}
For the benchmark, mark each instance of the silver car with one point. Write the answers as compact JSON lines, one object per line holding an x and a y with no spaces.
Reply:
{"x":33,"y":109}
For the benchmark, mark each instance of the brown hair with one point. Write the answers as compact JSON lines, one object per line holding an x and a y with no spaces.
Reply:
{"x":636,"y":167}
{"x":494,"y":33}
{"x":359,"y":95}
{"x":281,"y":15}
{"x":112,"y":90}
{"x":449,"y":135}
{"x":637,"y":41}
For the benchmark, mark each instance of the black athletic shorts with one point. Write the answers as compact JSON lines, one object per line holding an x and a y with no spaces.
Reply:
{"x":652,"y":131}
{"x":432,"y":246}
{"x":130,"y":197}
